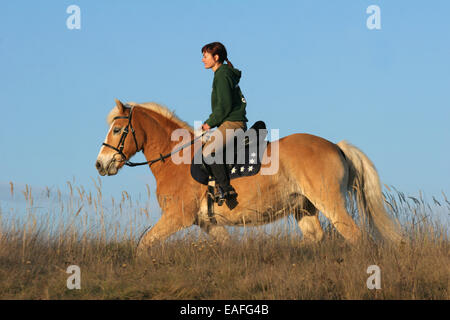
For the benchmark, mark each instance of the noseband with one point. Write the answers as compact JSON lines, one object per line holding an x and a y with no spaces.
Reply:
{"x":126,"y":130}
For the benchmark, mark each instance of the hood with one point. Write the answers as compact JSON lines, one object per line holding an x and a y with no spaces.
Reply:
{"x":233,"y":72}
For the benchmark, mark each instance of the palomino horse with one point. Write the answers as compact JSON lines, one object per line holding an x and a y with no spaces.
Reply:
{"x":313,"y":175}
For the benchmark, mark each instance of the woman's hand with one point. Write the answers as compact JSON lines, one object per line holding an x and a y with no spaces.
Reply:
{"x":205,"y":127}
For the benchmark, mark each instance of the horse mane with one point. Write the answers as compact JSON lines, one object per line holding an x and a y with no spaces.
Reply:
{"x":157,"y":108}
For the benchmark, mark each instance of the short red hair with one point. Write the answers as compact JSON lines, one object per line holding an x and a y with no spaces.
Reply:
{"x":217,"y":48}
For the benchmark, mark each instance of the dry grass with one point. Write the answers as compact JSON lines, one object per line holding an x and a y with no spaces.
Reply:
{"x":36,"y":250}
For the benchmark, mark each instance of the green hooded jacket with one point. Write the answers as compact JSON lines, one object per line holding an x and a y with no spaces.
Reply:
{"x":227,"y":101}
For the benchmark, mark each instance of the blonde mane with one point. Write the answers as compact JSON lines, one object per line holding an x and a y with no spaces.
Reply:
{"x":155,"y":107}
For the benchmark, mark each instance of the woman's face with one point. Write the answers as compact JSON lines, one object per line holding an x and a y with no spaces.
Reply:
{"x":209,"y":60}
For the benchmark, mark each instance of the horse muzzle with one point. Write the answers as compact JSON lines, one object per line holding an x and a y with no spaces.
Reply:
{"x":109,"y":169}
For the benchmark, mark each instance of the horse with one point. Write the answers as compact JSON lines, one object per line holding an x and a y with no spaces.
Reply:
{"x":314,"y":175}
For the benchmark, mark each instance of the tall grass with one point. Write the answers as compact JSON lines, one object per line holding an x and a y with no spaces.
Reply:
{"x":55,"y":229}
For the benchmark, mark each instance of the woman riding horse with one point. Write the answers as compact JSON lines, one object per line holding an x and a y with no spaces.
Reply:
{"x":228,"y":113}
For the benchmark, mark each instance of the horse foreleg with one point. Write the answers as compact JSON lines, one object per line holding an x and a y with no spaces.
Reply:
{"x":165,"y":227}
{"x":218,"y":233}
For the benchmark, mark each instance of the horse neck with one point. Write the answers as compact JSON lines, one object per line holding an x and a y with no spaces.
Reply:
{"x":157,"y":131}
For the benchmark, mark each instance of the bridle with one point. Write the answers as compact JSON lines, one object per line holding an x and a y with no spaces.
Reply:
{"x":126,"y":130}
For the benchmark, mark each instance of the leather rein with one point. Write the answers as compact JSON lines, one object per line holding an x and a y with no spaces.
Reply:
{"x":126,"y":130}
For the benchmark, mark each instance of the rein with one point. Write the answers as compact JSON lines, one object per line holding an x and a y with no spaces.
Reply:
{"x":126,"y":130}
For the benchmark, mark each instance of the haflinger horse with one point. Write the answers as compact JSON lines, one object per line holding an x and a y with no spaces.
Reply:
{"x":313,"y":175}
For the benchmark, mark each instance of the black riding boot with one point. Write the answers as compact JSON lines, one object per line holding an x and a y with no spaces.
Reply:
{"x":228,"y":192}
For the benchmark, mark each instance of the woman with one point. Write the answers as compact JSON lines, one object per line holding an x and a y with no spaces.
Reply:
{"x":228,"y":112}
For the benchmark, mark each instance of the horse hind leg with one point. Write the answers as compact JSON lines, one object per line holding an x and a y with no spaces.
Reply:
{"x":333,"y":206}
{"x":307,"y":217}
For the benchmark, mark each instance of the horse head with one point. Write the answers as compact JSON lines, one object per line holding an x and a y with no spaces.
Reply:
{"x":121,"y":141}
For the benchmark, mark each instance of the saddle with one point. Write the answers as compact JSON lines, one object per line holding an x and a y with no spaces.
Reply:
{"x":248,"y":150}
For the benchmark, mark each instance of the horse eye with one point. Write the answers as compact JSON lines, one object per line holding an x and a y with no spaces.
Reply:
{"x":116,"y":130}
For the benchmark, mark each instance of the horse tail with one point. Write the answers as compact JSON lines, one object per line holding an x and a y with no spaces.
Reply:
{"x":365,"y":187}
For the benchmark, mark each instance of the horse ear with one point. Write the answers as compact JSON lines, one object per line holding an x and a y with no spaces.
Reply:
{"x":119,"y":105}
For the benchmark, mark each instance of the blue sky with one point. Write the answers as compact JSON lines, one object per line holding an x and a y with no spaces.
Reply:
{"x":307,"y":66}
